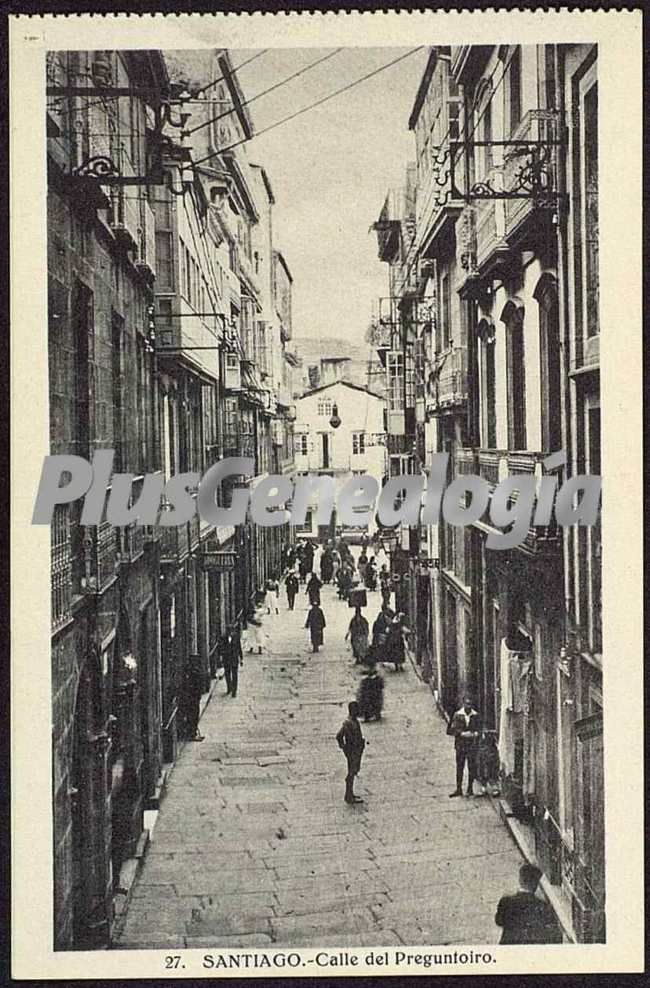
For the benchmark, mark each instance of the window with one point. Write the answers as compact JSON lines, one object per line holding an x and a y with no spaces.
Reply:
{"x":514,"y":89}
{"x":302,"y":444}
{"x":549,"y":348}
{"x":325,"y":406}
{"x":488,"y":389}
{"x":144,"y":406}
{"x":513,"y":317}
{"x":325,"y":451}
{"x":445,"y":311}
{"x":395,"y":367}
{"x":164,"y":252}
{"x":358,"y":443}
{"x":593,"y":532}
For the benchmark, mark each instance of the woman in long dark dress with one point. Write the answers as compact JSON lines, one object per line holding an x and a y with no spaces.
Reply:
{"x":313,"y":589}
{"x":370,"y":574}
{"x":358,"y":634}
{"x":316,"y":623}
{"x":326,"y":566}
{"x":395,"y":644}
{"x":371,"y":695}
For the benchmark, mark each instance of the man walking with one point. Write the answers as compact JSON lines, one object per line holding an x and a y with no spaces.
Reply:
{"x":232,"y":657}
{"x":351,"y":742}
{"x":292,"y":585}
{"x":464,"y":727}
{"x":523,"y":917}
{"x":316,"y":623}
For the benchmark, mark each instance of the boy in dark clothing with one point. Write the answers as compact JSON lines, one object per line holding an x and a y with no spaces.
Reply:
{"x":291,"y":583}
{"x":525,"y":918}
{"x":350,"y":741}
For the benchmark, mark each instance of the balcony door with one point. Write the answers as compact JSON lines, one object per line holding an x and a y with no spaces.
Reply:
{"x":549,"y":351}
{"x":513,"y":318}
{"x":325,"y":451}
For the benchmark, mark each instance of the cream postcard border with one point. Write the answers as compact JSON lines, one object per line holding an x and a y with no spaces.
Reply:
{"x":619,"y":37}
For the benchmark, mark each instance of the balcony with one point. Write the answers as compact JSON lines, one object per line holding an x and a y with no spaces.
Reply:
{"x":491,"y":221}
{"x":520,"y":164}
{"x":174,"y":545}
{"x":61,"y":567}
{"x":101,"y":549}
{"x":496,"y":465}
{"x":388,"y":226}
{"x":447,"y":388}
{"x":131,"y":540}
{"x":238,"y":444}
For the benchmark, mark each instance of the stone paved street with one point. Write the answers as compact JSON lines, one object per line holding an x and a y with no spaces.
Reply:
{"x":254,"y":845}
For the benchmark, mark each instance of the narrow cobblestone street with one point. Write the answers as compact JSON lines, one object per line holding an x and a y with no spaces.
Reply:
{"x":254,"y":845}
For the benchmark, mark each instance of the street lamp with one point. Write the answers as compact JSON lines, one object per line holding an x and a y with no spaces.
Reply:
{"x":335,"y":421}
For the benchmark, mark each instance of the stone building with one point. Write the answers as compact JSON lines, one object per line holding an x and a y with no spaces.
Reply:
{"x":106,"y":669}
{"x":501,"y":236}
{"x":169,"y":316}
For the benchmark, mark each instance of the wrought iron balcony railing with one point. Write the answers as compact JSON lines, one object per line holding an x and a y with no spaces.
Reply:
{"x":495,"y":466}
{"x":446,"y":386}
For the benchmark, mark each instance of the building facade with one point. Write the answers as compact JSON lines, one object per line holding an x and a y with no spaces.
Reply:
{"x":496,"y":239}
{"x":340,"y":433}
{"x":169,"y":319}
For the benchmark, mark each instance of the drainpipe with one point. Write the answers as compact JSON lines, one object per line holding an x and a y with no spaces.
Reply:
{"x":563,"y":302}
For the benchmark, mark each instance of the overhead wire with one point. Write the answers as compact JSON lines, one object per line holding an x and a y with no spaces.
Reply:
{"x":311,"y":106}
{"x":236,"y":68}
{"x":265,"y":92}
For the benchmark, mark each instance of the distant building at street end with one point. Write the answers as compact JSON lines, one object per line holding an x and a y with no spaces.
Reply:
{"x":354,"y":446}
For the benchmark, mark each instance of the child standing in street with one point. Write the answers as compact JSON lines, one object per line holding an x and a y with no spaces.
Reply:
{"x":487,"y":763}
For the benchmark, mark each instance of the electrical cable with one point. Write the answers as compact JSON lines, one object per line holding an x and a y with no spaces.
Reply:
{"x":311,"y":106}
{"x":265,"y":92}
{"x":220,"y":78}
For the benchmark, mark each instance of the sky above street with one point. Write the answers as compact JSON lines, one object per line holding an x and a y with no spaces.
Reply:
{"x":330,"y":170}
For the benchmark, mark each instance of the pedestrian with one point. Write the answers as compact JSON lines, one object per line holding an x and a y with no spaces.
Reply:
{"x":464,"y":727}
{"x":313,"y":589}
{"x":273,"y":591}
{"x":308,"y":555}
{"x":396,"y":643}
{"x":232,"y":658}
{"x":371,"y":695}
{"x":523,"y":917}
{"x":316,"y":624}
{"x":344,"y":581}
{"x":336,"y":563}
{"x":292,"y":586}
{"x":370,"y":574}
{"x":380,"y":631}
{"x":361,"y":565}
{"x":254,"y":634}
{"x":357,"y":632}
{"x":326,"y":565}
{"x":487,"y":763}
{"x":385,"y":584}
{"x":350,"y":741}
{"x":193,"y":683}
